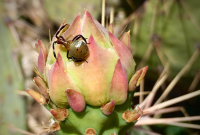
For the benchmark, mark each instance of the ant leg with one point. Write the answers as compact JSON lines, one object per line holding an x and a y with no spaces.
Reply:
{"x":60,"y":30}
{"x":54,"y":53}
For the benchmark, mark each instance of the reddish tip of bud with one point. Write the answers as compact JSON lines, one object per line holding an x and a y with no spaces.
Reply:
{"x":37,"y":47}
{"x":37,"y":96}
{"x":42,"y":87}
{"x":76,"y":100}
{"x":108,"y":108}
{"x":137,"y":78}
{"x":119,"y":84}
{"x":125,"y":39}
{"x":110,"y":28}
{"x":42,"y":56}
{"x":90,"y":131}
{"x":132,"y":115}
{"x":59,"y":114}
{"x":134,"y":79}
{"x":144,"y":70}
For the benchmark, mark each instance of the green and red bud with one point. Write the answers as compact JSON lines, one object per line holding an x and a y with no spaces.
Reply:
{"x":108,"y":108}
{"x":79,"y":88}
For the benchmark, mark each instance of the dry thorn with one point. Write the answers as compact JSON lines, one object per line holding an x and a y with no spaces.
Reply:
{"x":49,"y":35}
{"x":15,"y":129}
{"x":154,"y":17}
{"x":111,"y":14}
{"x":146,"y":56}
{"x":103,"y":13}
{"x":141,"y":91}
{"x":127,"y":20}
{"x":153,"y":121}
{"x":194,"y":82}
{"x":194,"y":21}
{"x":159,"y":52}
{"x":145,"y":131}
{"x":177,"y":78}
{"x":21,"y":92}
{"x":167,"y":6}
{"x":136,"y":25}
{"x":148,"y":101}
{"x":130,"y":3}
{"x":167,"y":110}
{"x":38,"y":73}
{"x":173,"y":101}
{"x":186,"y":125}
{"x":150,"y":48}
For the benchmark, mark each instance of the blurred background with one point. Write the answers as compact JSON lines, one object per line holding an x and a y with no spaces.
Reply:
{"x":163,"y":33}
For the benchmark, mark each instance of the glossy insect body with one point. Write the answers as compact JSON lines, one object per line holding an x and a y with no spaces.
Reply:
{"x":78,"y":49}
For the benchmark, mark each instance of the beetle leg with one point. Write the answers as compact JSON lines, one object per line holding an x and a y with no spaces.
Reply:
{"x":59,"y":31}
{"x":68,"y":55}
{"x":62,"y":38}
{"x":76,"y":37}
{"x":54,"y":53}
{"x":74,"y":59}
{"x":80,"y":36}
{"x":86,"y":61}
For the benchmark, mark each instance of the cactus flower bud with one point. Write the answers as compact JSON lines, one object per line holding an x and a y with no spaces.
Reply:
{"x":86,"y":67}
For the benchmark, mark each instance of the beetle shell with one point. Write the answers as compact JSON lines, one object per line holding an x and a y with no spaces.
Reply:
{"x":78,"y":49}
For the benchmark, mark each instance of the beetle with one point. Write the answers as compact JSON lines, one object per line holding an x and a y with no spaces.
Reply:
{"x":78,"y":49}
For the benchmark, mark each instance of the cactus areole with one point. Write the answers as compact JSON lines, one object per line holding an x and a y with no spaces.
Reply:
{"x":93,"y":96}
